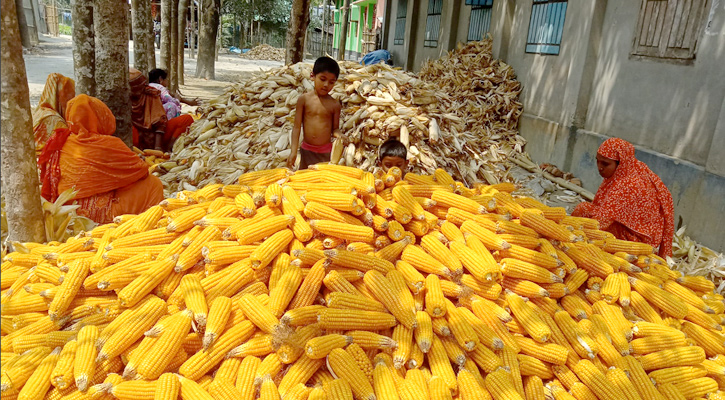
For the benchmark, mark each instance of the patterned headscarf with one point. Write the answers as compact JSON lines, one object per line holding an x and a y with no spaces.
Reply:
{"x":635,"y":197}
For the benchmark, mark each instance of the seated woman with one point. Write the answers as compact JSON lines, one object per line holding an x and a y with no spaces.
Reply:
{"x":632,"y":202}
{"x":48,"y":116}
{"x":147,"y":114}
{"x":109,"y":178}
{"x":178,"y":123}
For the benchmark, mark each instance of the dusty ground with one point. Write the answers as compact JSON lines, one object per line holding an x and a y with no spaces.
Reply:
{"x":56,"y":55}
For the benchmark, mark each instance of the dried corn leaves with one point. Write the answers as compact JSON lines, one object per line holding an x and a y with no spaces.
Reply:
{"x":461,"y":115}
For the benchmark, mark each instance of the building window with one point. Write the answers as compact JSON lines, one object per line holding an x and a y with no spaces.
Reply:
{"x":546,"y":26}
{"x":480,"y":22}
{"x":400,"y":22}
{"x":433,"y":23}
{"x":669,"y":29}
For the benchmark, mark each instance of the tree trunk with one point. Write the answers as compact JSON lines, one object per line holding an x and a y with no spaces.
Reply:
{"x":207,"y":39}
{"x":343,"y":30}
{"x":140,"y":54}
{"x":219,"y":35}
{"x":183,"y":10}
{"x":19,"y":171}
{"x":174,"y":48}
{"x":84,"y":49}
{"x":111,"y":17}
{"x":194,"y":28}
{"x":22,"y":24}
{"x":166,"y":35}
{"x":149,"y":35}
{"x":296,"y":33}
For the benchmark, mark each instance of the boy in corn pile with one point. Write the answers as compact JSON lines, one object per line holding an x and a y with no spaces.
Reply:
{"x":391,"y":154}
{"x":318,"y":115}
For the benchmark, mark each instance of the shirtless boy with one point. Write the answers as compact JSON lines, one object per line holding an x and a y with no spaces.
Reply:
{"x":318,"y":114}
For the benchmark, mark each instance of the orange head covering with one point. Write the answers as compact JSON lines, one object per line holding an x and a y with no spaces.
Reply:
{"x":50,"y":112}
{"x":147,"y":111}
{"x":56,"y":93}
{"x":85,"y":156}
{"x":635,"y":197}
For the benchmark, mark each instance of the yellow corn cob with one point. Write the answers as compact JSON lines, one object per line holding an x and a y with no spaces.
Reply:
{"x":321,"y":346}
{"x":72,"y":283}
{"x":596,"y":381}
{"x":345,"y":367}
{"x":245,"y":377}
{"x":84,"y":363}
{"x":579,"y":340}
{"x":270,"y":248}
{"x":710,"y":342}
{"x":533,"y":388}
{"x":259,"y":346}
{"x":345,"y":231}
{"x":258,"y":314}
{"x":698,"y":387}
{"x":359,"y":261}
{"x":667,"y":302}
{"x":201,"y":362}
{"x":352,"y":301}
{"x":612,"y":245}
{"x":384,"y":291}
{"x":673,"y":357}
{"x":299,"y":373}
{"x":423,"y":262}
{"x":301,"y":316}
{"x":697,"y":283}
{"x":402,"y":196}
{"x":141,"y":286}
{"x":395,"y":231}
{"x":273,"y":195}
{"x":310,"y":287}
{"x":546,"y":227}
{"x":448,"y":199}
{"x":677,"y":374}
{"x":526,"y":316}
{"x":331,"y":318}
{"x":521,"y":269}
{"x":371,"y":340}
{"x":500,"y":384}
{"x":39,"y":382}
{"x":439,"y":364}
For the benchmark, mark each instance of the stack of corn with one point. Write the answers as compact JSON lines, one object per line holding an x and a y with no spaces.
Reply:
{"x":157,"y":160}
{"x":264,"y":52}
{"x":334,"y":283}
{"x":463,"y":122}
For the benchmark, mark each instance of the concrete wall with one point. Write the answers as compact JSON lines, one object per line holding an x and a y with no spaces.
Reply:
{"x":594,"y":89}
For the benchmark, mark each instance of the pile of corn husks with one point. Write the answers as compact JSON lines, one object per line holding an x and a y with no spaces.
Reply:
{"x":692,"y":258}
{"x":463,"y":122}
{"x":264,"y":52}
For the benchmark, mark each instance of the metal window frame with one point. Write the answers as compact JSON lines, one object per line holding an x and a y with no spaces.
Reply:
{"x":400,"y":22}
{"x":478,"y":6}
{"x":541,"y":18}
{"x":433,"y":22}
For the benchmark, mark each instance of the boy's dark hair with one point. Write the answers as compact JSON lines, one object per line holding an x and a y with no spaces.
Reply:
{"x":326,"y":64}
{"x":393,"y":148}
{"x":155,"y":75}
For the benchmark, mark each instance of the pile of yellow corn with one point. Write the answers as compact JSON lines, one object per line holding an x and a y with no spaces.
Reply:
{"x":334,"y":283}
{"x":156,"y":159}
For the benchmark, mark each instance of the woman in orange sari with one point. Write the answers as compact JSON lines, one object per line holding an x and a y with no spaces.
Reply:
{"x":147,"y":113}
{"x":632,"y":202}
{"x":48,"y":116}
{"x":109,"y":178}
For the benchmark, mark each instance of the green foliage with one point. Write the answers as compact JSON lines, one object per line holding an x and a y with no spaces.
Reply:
{"x":65,"y":29}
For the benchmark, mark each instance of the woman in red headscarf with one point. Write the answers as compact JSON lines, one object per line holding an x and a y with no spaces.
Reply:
{"x":632,"y":202}
{"x":48,"y":116}
{"x":109,"y":178}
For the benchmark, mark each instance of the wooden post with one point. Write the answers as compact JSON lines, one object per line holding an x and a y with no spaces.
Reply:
{"x":174,"y":48}
{"x":20,"y":183}
{"x":345,"y":16}
{"x":183,"y":10}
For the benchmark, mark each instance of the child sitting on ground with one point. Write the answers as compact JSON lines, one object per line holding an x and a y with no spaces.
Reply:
{"x":393,"y":153}
{"x":319,"y":115}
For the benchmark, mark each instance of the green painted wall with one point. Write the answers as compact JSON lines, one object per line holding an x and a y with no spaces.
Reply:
{"x":356,"y":25}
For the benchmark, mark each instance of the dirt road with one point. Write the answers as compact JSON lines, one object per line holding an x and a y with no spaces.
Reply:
{"x":56,"y":55}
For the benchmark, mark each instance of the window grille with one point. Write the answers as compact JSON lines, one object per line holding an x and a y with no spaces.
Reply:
{"x":400,"y":22}
{"x":546,"y":26}
{"x":433,"y":23}
{"x":480,"y":22}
